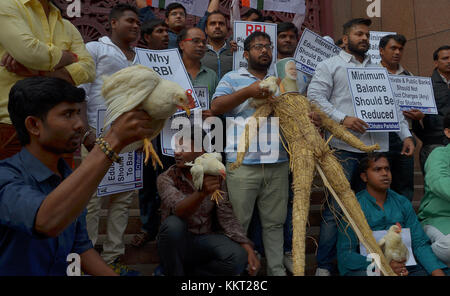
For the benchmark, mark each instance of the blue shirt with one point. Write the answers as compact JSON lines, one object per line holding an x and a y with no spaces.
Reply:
{"x":269,"y":149}
{"x":397,"y":208}
{"x":24,"y":184}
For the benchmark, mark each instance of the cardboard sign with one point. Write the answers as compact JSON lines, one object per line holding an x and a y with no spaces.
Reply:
{"x":170,"y":130}
{"x":406,"y":238}
{"x":373,"y":99}
{"x":242,"y":30}
{"x":169,"y":65}
{"x":374,"y":51}
{"x":311,"y":50}
{"x":413,"y":92}
{"x":122,"y":177}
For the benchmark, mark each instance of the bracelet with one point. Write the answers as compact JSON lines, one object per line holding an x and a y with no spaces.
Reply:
{"x":106,"y":148}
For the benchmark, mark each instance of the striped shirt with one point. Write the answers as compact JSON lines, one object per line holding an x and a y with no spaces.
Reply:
{"x":268,"y":148}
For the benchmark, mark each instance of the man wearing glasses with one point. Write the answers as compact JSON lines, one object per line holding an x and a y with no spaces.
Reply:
{"x":263,"y":177}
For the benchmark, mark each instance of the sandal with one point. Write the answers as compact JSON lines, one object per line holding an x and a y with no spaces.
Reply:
{"x":140,"y":239}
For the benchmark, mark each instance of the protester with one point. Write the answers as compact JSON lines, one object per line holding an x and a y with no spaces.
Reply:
{"x":383,"y":208}
{"x":110,"y":54}
{"x":330,"y":90}
{"x":402,"y":166}
{"x":430,"y":130}
{"x":155,"y":34}
{"x":42,"y":204}
{"x":28,"y":48}
{"x":434,"y":211}
{"x":252,"y":15}
{"x":187,"y":243}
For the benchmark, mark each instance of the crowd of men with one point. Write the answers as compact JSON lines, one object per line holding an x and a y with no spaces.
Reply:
{"x":50,"y":92}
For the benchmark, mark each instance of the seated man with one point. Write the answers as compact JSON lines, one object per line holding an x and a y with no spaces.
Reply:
{"x":42,"y":204}
{"x":186,"y":241}
{"x":434,"y":211}
{"x":384,"y":208}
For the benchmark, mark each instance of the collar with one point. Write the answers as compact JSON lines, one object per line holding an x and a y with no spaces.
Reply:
{"x":244,"y":72}
{"x":40,"y":171}
{"x":348,"y":57}
{"x":53,"y":7}
{"x":224,"y":47}
{"x":399,"y":71}
{"x":107,"y":40}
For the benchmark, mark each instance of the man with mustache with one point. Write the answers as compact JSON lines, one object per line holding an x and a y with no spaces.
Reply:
{"x":110,"y":54}
{"x":329,"y":89}
{"x":262,"y":179}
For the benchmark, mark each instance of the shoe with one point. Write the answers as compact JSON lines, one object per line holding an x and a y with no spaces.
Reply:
{"x":287,"y":261}
{"x":322,"y":272}
{"x":140,"y":239}
{"x":122,"y":269}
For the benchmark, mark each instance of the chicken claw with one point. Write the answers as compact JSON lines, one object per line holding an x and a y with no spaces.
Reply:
{"x":149,"y":150}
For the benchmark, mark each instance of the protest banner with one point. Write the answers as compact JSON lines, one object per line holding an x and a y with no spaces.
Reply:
{"x":197,"y":7}
{"x":170,"y":130}
{"x":374,"y":51}
{"x":292,"y":6}
{"x":169,"y":65}
{"x":373,"y":98}
{"x":311,"y":50}
{"x":242,"y":30}
{"x":122,"y":177}
{"x":413,"y":92}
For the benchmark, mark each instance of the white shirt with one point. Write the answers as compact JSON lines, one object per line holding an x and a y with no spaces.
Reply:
{"x":109,"y":59}
{"x":330,"y":90}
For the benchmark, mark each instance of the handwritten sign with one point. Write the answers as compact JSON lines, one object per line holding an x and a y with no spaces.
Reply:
{"x":242,"y":30}
{"x":170,"y":130}
{"x":373,"y":98}
{"x":413,"y":92}
{"x":374,"y":50}
{"x":311,"y":50}
{"x":122,"y":177}
{"x":169,"y":65}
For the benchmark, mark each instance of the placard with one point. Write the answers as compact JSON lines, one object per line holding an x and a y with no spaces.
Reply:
{"x":374,"y":49}
{"x":373,"y":99}
{"x":406,"y":238}
{"x":168,"y":133}
{"x":242,"y":30}
{"x":414,"y":92}
{"x":122,"y":177}
{"x":169,"y":65}
{"x":311,"y":50}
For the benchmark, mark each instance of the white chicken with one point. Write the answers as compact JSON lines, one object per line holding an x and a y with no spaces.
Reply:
{"x":140,"y":85}
{"x":269,"y":84}
{"x":392,"y":245}
{"x":207,"y":164}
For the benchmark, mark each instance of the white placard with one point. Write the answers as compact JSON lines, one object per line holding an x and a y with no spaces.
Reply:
{"x":122,"y":177}
{"x":374,"y":50}
{"x":169,"y":65}
{"x":311,"y":50}
{"x":373,"y":99}
{"x":242,"y":30}
{"x":168,"y":133}
{"x":406,"y":238}
{"x":414,"y":92}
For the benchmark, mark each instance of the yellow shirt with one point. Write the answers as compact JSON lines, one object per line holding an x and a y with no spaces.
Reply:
{"x":37,"y":43}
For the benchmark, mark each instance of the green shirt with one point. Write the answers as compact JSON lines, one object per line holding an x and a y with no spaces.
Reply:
{"x":206,"y":77}
{"x":435,"y":205}
{"x":397,"y":208}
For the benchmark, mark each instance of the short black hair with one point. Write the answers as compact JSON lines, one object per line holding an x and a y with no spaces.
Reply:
{"x":354,"y":22}
{"x":436,"y":52}
{"x":364,"y":164}
{"x":252,"y":11}
{"x":148,"y":27}
{"x":339,"y":42}
{"x":118,"y":10}
{"x":397,"y":38}
{"x":252,"y":37}
{"x":214,"y":13}
{"x":36,"y":96}
{"x":268,"y":18}
{"x":447,"y":120}
{"x":173,"y":6}
{"x":287,"y":26}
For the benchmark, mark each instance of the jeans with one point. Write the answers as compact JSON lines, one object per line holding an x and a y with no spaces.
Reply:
{"x":184,"y":253}
{"x":149,"y":202}
{"x":326,"y":252}
{"x":440,"y":243}
{"x":402,"y":168}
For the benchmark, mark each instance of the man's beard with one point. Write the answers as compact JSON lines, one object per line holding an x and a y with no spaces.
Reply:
{"x":352,"y":47}
{"x":288,"y":51}
{"x":254,"y":64}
